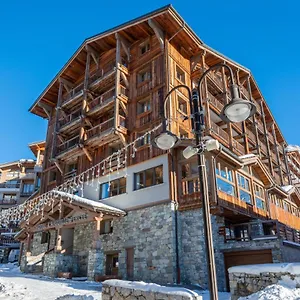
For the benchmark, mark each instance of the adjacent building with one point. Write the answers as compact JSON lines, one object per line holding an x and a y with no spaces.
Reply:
{"x":139,"y":216}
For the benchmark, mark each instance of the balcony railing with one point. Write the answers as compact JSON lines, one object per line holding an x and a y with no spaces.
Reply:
{"x":263,"y":148}
{"x":215,"y":102}
{"x":260,"y":125}
{"x":100,"y":129}
{"x":70,"y":118}
{"x":238,"y":147}
{"x":70,"y":174}
{"x":99,"y":75}
{"x":11,"y":201}
{"x":270,"y":137}
{"x":219,"y":131}
{"x":8,"y":185}
{"x":103,"y":99}
{"x":251,"y":135}
{"x":76,"y":92}
{"x":71,"y":143}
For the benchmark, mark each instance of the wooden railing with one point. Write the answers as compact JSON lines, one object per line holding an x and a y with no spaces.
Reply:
{"x":263,"y":148}
{"x":100,"y":129}
{"x":270,"y":137}
{"x":144,"y":119}
{"x":238,"y":147}
{"x":251,"y":135}
{"x":71,"y":143}
{"x":102,"y":73}
{"x":244,"y":91}
{"x":70,"y":118}
{"x":103,"y":99}
{"x":284,"y":216}
{"x":260,"y":125}
{"x":219,"y":131}
{"x":277,"y":178}
{"x":8,"y":185}
{"x":73,"y":93}
{"x":70,"y":174}
{"x":215,"y":102}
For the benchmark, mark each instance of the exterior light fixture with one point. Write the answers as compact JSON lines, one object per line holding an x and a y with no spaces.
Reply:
{"x":189,"y":151}
{"x":165,"y":140}
{"x":238,"y":109}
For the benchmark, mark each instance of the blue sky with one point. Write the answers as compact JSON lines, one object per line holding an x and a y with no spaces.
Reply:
{"x":38,"y":37}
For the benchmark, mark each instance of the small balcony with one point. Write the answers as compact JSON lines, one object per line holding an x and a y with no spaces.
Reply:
{"x":263,"y":148}
{"x":73,"y":96}
{"x":217,"y":104}
{"x":251,"y":136}
{"x":67,"y":147}
{"x":217,"y":131}
{"x":238,"y":147}
{"x":70,"y":121}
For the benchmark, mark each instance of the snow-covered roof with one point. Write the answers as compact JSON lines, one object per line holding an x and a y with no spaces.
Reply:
{"x":292,"y":148}
{"x":95,"y":204}
{"x":251,"y":155}
{"x":288,"y":188}
{"x":292,"y":268}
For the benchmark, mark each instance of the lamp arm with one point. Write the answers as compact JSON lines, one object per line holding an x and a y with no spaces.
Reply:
{"x":167,"y":99}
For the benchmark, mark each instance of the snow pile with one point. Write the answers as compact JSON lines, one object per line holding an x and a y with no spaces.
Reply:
{"x":151,"y":287}
{"x":275,"y":292}
{"x":74,"y":297}
{"x":292,"y":268}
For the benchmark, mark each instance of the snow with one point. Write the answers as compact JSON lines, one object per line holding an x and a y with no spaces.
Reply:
{"x":15,"y":285}
{"x":251,"y":155}
{"x":291,"y":148}
{"x":151,"y":287}
{"x":292,"y":268}
{"x":89,"y":202}
{"x":288,"y":188}
{"x":275,"y":292}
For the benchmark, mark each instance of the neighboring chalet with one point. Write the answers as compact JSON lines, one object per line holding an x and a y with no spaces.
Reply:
{"x":144,"y":222}
{"x":19,"y":180}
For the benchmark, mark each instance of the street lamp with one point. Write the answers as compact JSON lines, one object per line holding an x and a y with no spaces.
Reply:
{"x":237,"y":110}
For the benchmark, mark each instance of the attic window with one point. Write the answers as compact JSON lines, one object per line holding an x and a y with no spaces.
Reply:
{"x":145,"y":47}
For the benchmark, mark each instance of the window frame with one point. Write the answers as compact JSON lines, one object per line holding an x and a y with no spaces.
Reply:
{"x":140,"y":73}
{"x":142,"y":45}
{"x":118,"y":188}
{"x":142,"y":102}
{"x":243,"y":189}
{"x":257,"y":197}
{"x":144,"y":176}
{"x":219,"y":171}
{"x":179,"y":70}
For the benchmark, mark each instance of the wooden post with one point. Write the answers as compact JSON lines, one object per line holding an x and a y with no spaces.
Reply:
{"x":29,"y":238}
{"x":287,"y":165}
{"x":229,"y":125}
{"x":277,"y":153}
{"x":60,"y":90}
{"x":58,"y":246}
{"x":267,"y":138}
{"x":254,"y":119}
{"x":117,"y":81}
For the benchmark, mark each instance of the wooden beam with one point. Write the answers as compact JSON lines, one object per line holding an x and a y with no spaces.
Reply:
{"x":123,"y":76}
{"x":88,"y":155}
{"x":124,"y":107}
{"x":47,"y":108}
{"x":158,"y":32}
{"x":66,"y":83}
{"x":93,"y":53}
{"x":125,"y":45}
{"x":58,"y":166}
{"x":195,"y":60}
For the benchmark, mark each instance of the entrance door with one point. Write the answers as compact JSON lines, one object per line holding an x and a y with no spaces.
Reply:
{"x":129,"y":263}
{"x":112,"y":264}
{"x":239,"y":258}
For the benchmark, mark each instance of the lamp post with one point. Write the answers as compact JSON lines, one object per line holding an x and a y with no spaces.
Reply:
{"x":237,"y":110}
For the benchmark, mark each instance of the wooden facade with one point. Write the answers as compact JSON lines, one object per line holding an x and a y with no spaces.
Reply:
{"x":112,"y":91}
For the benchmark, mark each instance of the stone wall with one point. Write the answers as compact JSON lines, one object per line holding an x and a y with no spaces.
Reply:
{"x":56,"y":262}
{"x":150,"y":232}
{"x":82,"y":244}
{"x":37,"y":247}
{"x":243,"y":284}
{"x":118,"y":290}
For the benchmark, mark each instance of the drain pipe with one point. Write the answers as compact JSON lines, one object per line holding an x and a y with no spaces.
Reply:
{"x":178,"y":279}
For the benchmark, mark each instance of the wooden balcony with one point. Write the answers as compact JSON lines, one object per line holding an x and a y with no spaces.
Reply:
{"x":277,"y":178}
{"x":251,"y":136}
{"x":105,"y":101}
{"x":238,"y":127}
{"x":260,"y":125}
{"x":232,"y":203}
{"x":217,"y":131}
{"x":70,"y":121}
{"x":104,"y":131}
{"x":217,"y":104}
{"x":283,"y":216}
{"x":73,"y":96}
{"x":270,"y":137}
{"x":144,"y":119}
{"x":67,"y":147}
{"x":263,"y":148}
{"x":238,"y":147}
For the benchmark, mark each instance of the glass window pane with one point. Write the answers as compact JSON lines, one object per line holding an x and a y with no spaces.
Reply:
{"x":225,"y":187}
{"x":149,"y":177}
{"x":104,"y":190}
{"x":244,"y":196}
{"x":260,"y":203}
{"x":139,"y":181}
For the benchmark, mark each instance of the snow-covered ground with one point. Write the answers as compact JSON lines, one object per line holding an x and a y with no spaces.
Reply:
{"x":15,"y":285}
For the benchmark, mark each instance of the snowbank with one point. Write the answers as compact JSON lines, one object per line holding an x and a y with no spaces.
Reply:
{"x":292,"y":268}
{"x":274,"y":292}
{"x":151,"y":287}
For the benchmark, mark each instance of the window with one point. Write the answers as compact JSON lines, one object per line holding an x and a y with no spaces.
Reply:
{"x":143,"y":106}
{"x":259,"y":195}
{"x":9,"y":198}
{"x":28,"y":188}
{"x":145,"y":47}
{"x":182,"y":105}
{"x":29,"y":170}
{"x":148,"y":178}
{"x":106,"y":226}
{"x":180,"y":75}
{"x":13,"y":174}
{"x":45,"y":237}
{"x":144,"y":75}
{"x":244,"y":188}
{"x":146,"y":140}
{"x":112,"y":264}
{"x":113,"y":188}
{"x":52,"y":176}
{"x":225,"y":179}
